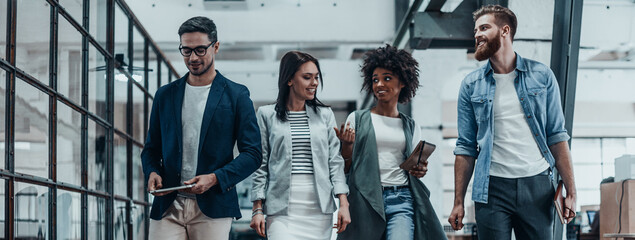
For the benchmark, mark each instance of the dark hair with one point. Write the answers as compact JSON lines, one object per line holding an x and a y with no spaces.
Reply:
{"x":289,"y":65}
{"x":400,"y":62}
{"x":199,"y":24}
{"x":502,"y":15}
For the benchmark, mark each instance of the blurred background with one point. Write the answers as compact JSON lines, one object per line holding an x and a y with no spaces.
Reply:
{"x":77,"y":80}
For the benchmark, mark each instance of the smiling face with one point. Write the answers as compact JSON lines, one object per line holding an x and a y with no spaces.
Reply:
{"x":304,"y":82}
{"x":386,"y":85}
{"x":199,"y":65}
{"x":487,"y":37}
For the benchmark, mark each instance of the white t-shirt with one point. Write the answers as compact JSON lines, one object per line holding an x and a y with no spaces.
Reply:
{"x":515,"y":153}
{"x":391,"y":145}
{"x":194,"y":102}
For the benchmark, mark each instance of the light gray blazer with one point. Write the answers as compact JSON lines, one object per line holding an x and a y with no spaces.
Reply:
{"x":271,"y":182}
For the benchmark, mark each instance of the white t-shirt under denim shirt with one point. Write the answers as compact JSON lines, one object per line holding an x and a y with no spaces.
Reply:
{"x":194,"y":101}
{"x":515,"y":153}
{"x":391,"y":144}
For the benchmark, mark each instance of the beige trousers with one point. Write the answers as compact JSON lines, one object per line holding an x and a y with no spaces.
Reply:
{"x":185,"y":221}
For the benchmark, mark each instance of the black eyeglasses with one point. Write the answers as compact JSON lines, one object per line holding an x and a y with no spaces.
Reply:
{"x":199,"y":51}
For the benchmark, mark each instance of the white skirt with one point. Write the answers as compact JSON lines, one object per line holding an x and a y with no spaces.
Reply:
{"x":305,"y":220}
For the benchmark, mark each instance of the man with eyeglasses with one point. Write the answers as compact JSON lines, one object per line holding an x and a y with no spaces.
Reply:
{"x":194,"y":124}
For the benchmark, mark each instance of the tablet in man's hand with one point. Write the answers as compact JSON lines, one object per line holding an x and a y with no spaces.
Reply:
{"x":173,"y":188}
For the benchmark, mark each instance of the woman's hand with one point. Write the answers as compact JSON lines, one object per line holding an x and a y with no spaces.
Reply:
{"x":346,"y":135}
{"x":258,"y":224}
{"x":258,"y":219}
{"x":343,"y":215}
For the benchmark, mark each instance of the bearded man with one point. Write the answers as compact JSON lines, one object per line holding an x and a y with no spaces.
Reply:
{"x":509,"y":118}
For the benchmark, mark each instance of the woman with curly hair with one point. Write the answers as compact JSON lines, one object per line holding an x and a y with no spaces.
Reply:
{"x":301,"y":169}
{"x":386,"y":202}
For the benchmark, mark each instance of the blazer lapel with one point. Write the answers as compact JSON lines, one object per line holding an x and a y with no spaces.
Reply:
{"x":215,"y":93}
{"x":178,"y":93}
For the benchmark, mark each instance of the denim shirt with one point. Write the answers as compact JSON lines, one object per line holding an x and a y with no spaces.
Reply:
{"x":539,"y":97}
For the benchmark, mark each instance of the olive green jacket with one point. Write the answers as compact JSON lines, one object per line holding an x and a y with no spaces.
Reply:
{"x":368,"y":220}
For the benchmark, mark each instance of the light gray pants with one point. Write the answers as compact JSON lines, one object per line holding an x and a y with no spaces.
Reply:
{"x":185,"y":221}
{"x":524,"y":204}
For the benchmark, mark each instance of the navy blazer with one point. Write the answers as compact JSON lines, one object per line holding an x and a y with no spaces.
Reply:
{"x":229,"y":118}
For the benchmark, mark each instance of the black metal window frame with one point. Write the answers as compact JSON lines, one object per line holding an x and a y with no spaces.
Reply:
{"x":14,"y":74}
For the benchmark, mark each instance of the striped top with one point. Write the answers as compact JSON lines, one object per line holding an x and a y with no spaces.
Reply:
{"x":301,"y":160}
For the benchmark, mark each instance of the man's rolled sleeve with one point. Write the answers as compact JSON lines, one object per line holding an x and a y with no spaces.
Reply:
{"x":465,"y":150}
{"x":466,"y":143}
{"x":555,"y":130}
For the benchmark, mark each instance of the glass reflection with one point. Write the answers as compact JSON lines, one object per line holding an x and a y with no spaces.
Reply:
{"x":138,"y":180}
{"x":165,"y":73}
{"x":32,"y":39}
{"x":69,"y":144}
{"x":2,"y":204}
{"x":31,"y":130}
{"x":74,"y":8}
{"x":69,"y":65}
{"x":31,"y":211}
{"x":119,"y":171}
{"x":3,"y":29}
{"x":121,"y":35}
{"x":3,"y":94}
{"x":69,"y":215}
{"x":98,"y":20}
{"x":121,"y":100}
{"x":152,"y":75}
{"x":120,"y":229}
{"x":96,"y":82}
{"x":96,"y":218}
{"x":138,"y":222}
{"x":96,"y":156}
{"x":137,"y":113}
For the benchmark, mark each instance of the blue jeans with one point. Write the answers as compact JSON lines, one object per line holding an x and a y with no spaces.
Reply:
{"x":399,"y":214}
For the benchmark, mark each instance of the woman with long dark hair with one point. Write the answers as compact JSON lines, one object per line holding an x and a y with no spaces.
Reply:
{"x":387,"y":202}
{"x":302,"y":168}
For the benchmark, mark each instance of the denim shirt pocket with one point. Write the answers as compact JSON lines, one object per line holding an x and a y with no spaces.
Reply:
{"x":480,"y":106}
{"x":538,"y":98}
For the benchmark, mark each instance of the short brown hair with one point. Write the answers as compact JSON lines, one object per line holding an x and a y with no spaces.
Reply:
{"x":502,"y":15}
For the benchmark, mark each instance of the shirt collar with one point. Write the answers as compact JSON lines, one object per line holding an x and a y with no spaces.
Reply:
{"x":520,"y":65}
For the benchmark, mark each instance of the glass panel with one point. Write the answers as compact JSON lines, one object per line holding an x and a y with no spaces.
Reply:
{"x":32,"y":38}
{"x":69,"y":65}
{"x":121,"y":99}
{"x":31,"y":130}
{"x":120,"y":220}
{"x":3,"y":94}
{"x":69,"y":215}
{"x":96,"y":218}
{"x":74,"y":8}
{"x":586,"y":150}
{"x":138,"y":180}
{"x":152,"y":73}
{"x":31,"y":211}
{"x":69,"y":145}
{"x":120,"y":179}
{"x":2,"y":202}
{"x":138,"y":222}
{"x":98,"y":20}
{"x":96,"y":156}
{"x":137,"y":113}
{"x":121,"y":36}
{"x":3,"y":29}
{"x":96,"y":82}
{"x":149,"y":113}
{"x":138,"y":42}
{"x":165,"y":73}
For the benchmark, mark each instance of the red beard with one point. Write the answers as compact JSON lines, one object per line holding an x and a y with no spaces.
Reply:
{"x":488,"y":50}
